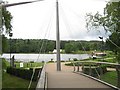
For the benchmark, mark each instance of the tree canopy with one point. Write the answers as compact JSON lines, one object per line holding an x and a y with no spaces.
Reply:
{"x":5,"y":20}
{"x":110,"y":21}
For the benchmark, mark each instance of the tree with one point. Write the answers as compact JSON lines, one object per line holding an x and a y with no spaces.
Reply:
{"x":6,"y":18}
{"x":68,"y":47}
{"x":4,"y":43}
{"x":114,"y":37}
{"x":5,"y":24}
{"x":110,"y":21}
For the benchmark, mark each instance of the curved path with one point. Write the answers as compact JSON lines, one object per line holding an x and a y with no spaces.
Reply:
{"x":67,"y":79}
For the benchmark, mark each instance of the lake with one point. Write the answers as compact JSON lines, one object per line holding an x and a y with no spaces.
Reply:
{"x":44,"y":57}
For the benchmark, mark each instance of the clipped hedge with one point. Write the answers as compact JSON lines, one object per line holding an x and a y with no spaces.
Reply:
{"x":93,"y":71}
{"x":24,"y":73}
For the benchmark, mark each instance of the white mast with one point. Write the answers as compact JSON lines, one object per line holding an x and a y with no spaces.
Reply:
{"x":58,"y":38}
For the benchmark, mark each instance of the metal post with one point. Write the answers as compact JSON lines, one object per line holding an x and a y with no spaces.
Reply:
{"x":90,"y":69}
{"x":57,"y":38}
{"x":102,"y":43}
{"x":101,"y":70}
{"x":118,"y":74}
{"x":83,"y":69}
{"x":78,"y":67}
{"x":10,"y":35}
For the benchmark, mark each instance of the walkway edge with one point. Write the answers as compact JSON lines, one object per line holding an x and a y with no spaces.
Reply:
{"x":114,"y":87}
{"x":42,"y":80}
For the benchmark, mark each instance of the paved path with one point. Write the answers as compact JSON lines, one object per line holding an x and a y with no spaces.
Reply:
{"x":67,"y":79}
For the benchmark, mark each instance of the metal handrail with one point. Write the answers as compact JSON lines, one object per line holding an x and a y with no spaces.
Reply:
{"x":42,"y":82}
{"x":73,"y":65}
{"x":117,"y":66}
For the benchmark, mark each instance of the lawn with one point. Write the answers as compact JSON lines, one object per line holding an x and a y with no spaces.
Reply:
{"x":10,"y":81}
{"x":29,"y":65}
{"x":110,"y":77}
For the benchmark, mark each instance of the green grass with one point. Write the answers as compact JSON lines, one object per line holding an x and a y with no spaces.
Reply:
{"x":30,"y":65}
{"x":4,"y":63}
{"x":10,"y":81}
{"x":110,"y":77}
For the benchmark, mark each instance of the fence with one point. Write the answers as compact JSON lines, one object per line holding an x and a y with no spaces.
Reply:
{"x":97,"y":69}
{"x":42,"y":82}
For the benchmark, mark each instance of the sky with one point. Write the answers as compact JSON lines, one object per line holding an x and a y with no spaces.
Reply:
{"x":38,"y":20}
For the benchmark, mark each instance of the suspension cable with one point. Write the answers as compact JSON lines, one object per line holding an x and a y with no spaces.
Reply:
{"x":80,"y":42}
{"x":40,"y":50}
{"x":69,"y":28}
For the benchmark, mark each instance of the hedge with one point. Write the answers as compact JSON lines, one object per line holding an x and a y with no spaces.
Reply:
{"x":93,"y":71}
{"x":24,"y":73}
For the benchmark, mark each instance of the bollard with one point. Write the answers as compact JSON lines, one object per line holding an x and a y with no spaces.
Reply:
{"x":77,"y":67}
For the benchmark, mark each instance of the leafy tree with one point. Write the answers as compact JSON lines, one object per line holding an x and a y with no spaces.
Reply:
{"x":115,"y":40}
{"x":110,"y":21}
{"x":5,"y":25}
{"x":68,"y":48}
{"x":4,"y":43}
{"x":6,"y":18}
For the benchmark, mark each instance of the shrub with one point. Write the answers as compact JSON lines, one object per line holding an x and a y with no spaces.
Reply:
{"x":75,"y":59}
{"x":23,"y":73}
{"x":93,"y":71}
{"x":31,"y":61}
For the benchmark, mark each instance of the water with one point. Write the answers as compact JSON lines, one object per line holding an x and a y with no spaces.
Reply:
{"x":44,"y":57}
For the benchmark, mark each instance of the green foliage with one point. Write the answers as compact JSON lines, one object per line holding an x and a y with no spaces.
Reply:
{"x":110,"y":21}
{"x":115,"y":39}
{"x":68,"y":48}
{"x":24,"y":73}
{"x":4,"y":64}
{"x":110,"y":77}
{"x":29,"y":65}
{"x":112,"y":13}
{"x":34,"y":45}
{"x":94,"y":69}
{"x":10,"y":81}
{"x":6,"y":20}
{"x":75,"y":59}
{"x":4,"y":43}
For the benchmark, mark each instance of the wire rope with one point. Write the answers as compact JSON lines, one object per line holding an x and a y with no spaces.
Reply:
{"x":69,"y":28}
{"x":40,"y":50}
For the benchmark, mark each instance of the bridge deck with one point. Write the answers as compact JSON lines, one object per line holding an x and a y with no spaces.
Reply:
{"x":67,"y":79}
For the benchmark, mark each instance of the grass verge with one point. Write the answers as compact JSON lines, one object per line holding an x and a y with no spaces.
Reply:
{"x":12,"y":82}
{"x":110,"y":77}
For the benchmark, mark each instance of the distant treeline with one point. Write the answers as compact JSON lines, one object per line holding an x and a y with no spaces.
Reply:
{"x":47,"y":46}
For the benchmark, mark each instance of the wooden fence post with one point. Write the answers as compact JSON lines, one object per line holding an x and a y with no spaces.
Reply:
{"x":77,"y":67}
{"x":90,"y":69}
{"x":82,"y":67}
{"x":118,"y":75}
{"x":101,"y":71}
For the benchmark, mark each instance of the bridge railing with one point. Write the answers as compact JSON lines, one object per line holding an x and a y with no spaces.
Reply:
{"x":98,"y":68}
{"x":42,"y":82}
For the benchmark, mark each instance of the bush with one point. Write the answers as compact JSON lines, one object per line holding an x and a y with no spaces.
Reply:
{"x":75,"y":59}
{"x":50,"y":61}
{"x":93,"y":71}
{"x":23,"y":73}
{"x":31,"y":61}
{"x":71,"y":64}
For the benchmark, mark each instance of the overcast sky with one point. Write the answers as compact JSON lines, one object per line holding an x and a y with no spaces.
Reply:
{"x":38,"y":20}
